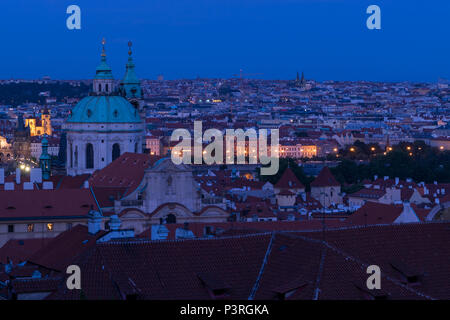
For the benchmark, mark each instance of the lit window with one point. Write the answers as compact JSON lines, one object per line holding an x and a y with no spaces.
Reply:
{"x":30,"y":227}
{"x":49,"y":226}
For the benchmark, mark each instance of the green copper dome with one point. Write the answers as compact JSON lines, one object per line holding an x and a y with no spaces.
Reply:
{"x":104,"y":109}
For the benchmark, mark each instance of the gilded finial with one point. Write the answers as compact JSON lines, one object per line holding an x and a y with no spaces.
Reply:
{"x":103,"y":47}
{"x":129,"y":47}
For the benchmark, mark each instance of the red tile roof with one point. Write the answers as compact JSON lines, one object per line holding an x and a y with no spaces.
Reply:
{"x":127,"y":171}
{"x":290,"y":265}
{"x":289,"y":181}
{"x":375,"y":213}
{"x":325,"y":179}
{"x":35,"y":204}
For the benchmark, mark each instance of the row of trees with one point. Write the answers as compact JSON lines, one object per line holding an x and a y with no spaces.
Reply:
{"x":19,"y":93}
{"x":405,"y":160}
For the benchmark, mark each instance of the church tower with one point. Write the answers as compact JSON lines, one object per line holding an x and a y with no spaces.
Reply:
{"x":130,"y":86}
{"x":103,"y":83}
{"x":101,"y":126}
{"x":44,"y":160}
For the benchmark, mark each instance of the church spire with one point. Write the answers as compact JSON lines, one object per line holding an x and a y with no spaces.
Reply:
{"x":104,"y":81}
{"x":130,"y":85}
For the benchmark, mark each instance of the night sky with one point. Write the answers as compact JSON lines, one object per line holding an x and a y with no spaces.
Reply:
{"x":327,"y":39}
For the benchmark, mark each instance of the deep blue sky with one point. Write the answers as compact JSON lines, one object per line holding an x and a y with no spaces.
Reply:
{"x":327,"y":39}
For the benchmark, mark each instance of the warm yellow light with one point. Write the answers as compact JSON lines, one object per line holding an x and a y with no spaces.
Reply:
{"x":410,"y":153}
{"x":390,"y":148}
{"x":441,"y":147}
{"x":27,"y":169}
{"x":408,"y":148}
{"x":22,"y":166}
{"x":335,"y":149}
{"x":49,"y":226}
{"x":352,"y":149}
{"x":373,"y":148}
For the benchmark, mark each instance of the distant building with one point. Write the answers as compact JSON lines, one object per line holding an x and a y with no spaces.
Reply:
{"x":39,"y":127}
{"x":21,"y":143}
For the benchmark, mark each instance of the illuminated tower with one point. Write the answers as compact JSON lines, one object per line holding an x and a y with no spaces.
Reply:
{"x":46,"y":122}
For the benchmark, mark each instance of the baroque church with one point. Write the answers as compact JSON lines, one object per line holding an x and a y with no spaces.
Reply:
{"x":105,"y":124}
{"x":109,"y":125}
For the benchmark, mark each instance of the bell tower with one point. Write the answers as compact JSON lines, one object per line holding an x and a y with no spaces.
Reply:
{"x":103,"y":83}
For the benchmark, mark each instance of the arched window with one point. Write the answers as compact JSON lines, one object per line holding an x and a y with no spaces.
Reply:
{"x":136,"y":148}
{"x":89,"y":156}
{"x":76,"y":156}
{"x":171,"y":218}
{"x":71,"y":156}
{"x":99,"y":87}
{"x":107,"y":88}
{"x":115,"y":151}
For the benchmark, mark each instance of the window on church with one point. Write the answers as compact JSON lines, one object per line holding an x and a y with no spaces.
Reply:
{"x":171,"y":218}
{"x":136,"y":148}
{"x":99,"y":87}
{"x":107,"y":88}
{"x":89,"y":156}
{"x":71,"y":156}
{"x":115,"y":151}
{"x":76,"y":156}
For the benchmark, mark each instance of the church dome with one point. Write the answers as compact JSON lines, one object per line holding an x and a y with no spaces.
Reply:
{"x":104,"y":109}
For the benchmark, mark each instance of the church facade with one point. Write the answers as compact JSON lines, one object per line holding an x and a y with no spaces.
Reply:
{"x":102,"y":126}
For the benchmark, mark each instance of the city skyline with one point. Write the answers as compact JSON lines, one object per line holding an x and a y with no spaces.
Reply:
{"x":327,"y":40}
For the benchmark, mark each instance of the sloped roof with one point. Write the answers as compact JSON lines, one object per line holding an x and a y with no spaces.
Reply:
{"x":289,"y":181}
{"x":375,"y":213}
{"x":125,"y":172}
{"x":64,"y":248}
{"x":39,"y":204}
{"x":325,"y":179}
{"x":307,"y":265}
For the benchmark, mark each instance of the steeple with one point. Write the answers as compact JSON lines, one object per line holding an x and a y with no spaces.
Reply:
{"x":103,"y":81}
{"x":130,"y":86}
{"x":44,"y":159}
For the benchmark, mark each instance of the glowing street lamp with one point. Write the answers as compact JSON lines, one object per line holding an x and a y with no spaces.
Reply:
{"x":352,"y":149}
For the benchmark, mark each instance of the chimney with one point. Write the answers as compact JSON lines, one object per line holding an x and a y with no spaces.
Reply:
{"x":303,"y":194}
{"x":86,"y":184}
{"x":47,"y":185}
{"x":94,"y":221}
{"x":442,"y":191}
{"x":18,"y":176}
{"x":114,"y":222}
{"x":375,"y":177}
{"x":9,"y":186}
{"x":36,"y":175}
{"x":435,"y":182}
{"x":386,"y":177}
{"x":436,"y":200}
{"x":2,"y":176}
{"x":425,"y":190}
{"x":396,"y":180}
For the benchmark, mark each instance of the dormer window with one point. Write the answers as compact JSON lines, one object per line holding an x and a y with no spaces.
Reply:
{"x":89,"y":113}
{"x":116,"y":113}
